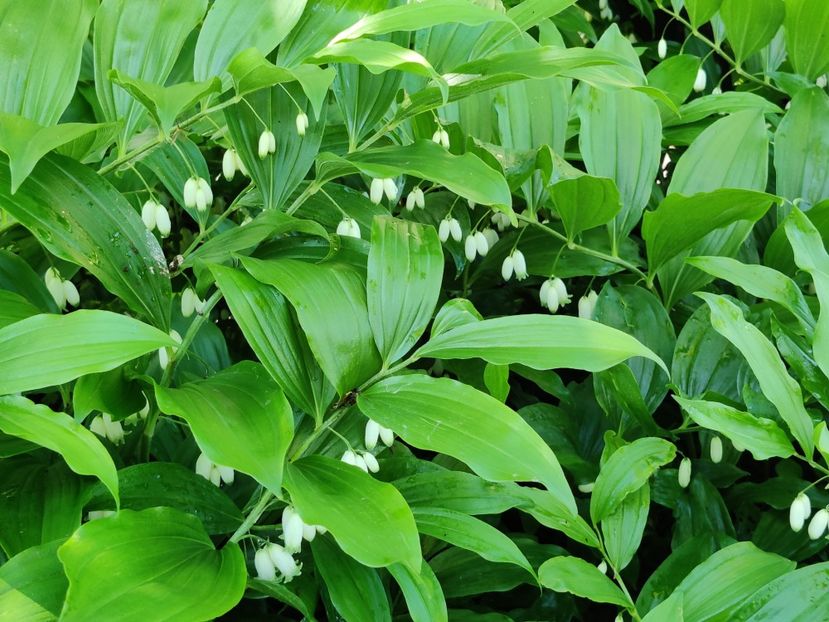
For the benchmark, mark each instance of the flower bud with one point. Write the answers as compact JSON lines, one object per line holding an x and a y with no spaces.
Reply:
{"x":715,"y":449}
{"x":163,"y":355}
{"x":587,"y":488}
{"x":70,"y":293}
{"x":265,"y":569}
{"x":284,"y":562}
{"x":229,"y":164}
{"x":371,"y":462}
{"x":821,"y":81}
{"x":390,"y":189}
{"x":349,"y":457}
{"x":162,"y":220}
{"x":455,"y":230}
{"x":587,"y":305}
{"x":148,"y":214}
{"x":188,"y":302}
{"x":321,"y":530}
{"x":700,"y":81}
{"x":410,"y":201}
{"x":420,"y":199}
{"x":104,"y":426}
{"x":387,"y":436}
{"x":191,"y":187}
{"x":204,"y":195}
{"x":349,"y":227}
{"x":292,"y":529}
{"x":54,"y":283}
{"x":507,"y":268}
{"x":817,"y":526}
{"x":444,"y":139}
{"x":267,"y":144}
{"x":491,"y":236}
{"x":520,"y":265}
{"x":376,"y":191}
{"x":301,"y":123}
{"x":436,"y":136}
{"x":716,"y":91}
{"x":602,"y":567}
{"x":470,"y":248}
{"x":684,"y":473}
{"x":500,"y":220}
{"x":444,"y":229}
{"x":226,"y":473}
{"x":360,"y":462}
{"x":548,"y":295}
{"x":799,"y":511}
{"x":481,"y":244}
{"x":372,"y":434}
{"x":203,"y":466}
{"x":662,"y":48}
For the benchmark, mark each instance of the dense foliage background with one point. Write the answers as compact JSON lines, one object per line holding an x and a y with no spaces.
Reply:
{"x":441,"y":310}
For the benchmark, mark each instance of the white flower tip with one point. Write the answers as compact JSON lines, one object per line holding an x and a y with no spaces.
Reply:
{"x":372,"y":434}
{"x":470,"y":247}
{"x":520,"y":265}
{"x":684,"y":473}
{"x":700,"y":81}
{"x":301,"y":123}
{"x":662,"y":48}
{"x":716,"y":449}
{"x":162,"y":220}
{"x":229,"y":164}
{"x":376,"y":191}
{"x":507,"y":268}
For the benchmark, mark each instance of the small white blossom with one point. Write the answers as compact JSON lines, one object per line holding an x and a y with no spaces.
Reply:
{"x":587,"y":305}
{"x":292,"y":529}
{"x":229,"y":164}
{"x":470,"y":247}
{"x":375,"y":192}
{"x":481,"y":244}
{"x":386,"y":436}
{"x":587,"y":488}
{"x":349,"y":457}
{"x":822,"y":81}
{"x":520,"y":265}
{"x":265,"y":569}
{"x":284,"y":562}
{"x":371,"y":462}
{"x":602,"y":567}
{"x":349,"y":227}
{"x":716,"y":91}
{"x":799,"y":511}
{"x":817,"y":526}
{"x":444,"y":230}
{"x":204,"y":195}
{"x":455,"y":230}
{"x":491,"y":236}
{"x":148,"y":214}
{"x":415,"y":198}
{"x":500,"y":220}
{"x":715,"y":449}
{"x":309,"y":532}
{"x":700,"y":81}
{"x":267,"y":144}
{"x":54,"y":283}
{"x":70,"y":293}
{"x":104,"y":426}
{"x":390,"y":189}
{"x":191,"y":187}
{"x":162,"y":220}
{"x":662,"y":48}
{"x":372,"y":434}
{"x":507,"y":268}
{"x":684,"y":473}
{"x":188,"y":302}
{"x":163,"y":355}
{"x":301,"y":123}
{"x":212,"y":472}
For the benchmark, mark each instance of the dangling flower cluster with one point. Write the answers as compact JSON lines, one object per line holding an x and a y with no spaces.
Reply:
{"x":197,"y":193}
{"x":63,"y":292}
{"x":700,"y":81}
{"x":450,"y":227}
{"x":349,"y":227}
{"x":163,"y":355}
{"x":267,"y":144}
{"x":799,"y":511}
{"x":301,"y":123}
{"x":375,"y":432}
{"x":104,"y":426}
{"x":715,"y":449}
{"x":272,"y":558}
{"x":500,"y":220}
{"x":553,"y":294}
{"x":231,"y":162}
{"x":362,"y":460}
{"x":604,"y":10}
{"x":587,"y":305}
{"x":295,"y":530}
{"x":155,"y":216}
{"x":479,"y":243}
{"x":190,"y":302}
{"x":516,"y":263}
{"x":415,"y":199}
{"x":380,"y":186}
{"x":441,"y":137}
{"x":684,"y":473}
{"x":662,"y":49}
{"x":212,"y":472}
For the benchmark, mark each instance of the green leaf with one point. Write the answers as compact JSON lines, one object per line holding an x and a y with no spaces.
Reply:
{"x":81,"y":449}
{"x":540,"y":342}
{"x":401,"y":252}
{"x":796,"y":595}
{"x":133,"y":38}
{"x":576,"y":576}
{"x":452,"y":418}
{"x":669,"y":610}
{"x":330,"y":303}
{"x":112,"y":392}
{"x":46,"y":350}
{"x":761,"y":436}
{"x":33,"y":585}
{"x":271,"y":331}
{"x":471,"y":534}
{"x":700,"y":11}
{"x":454,"y":313}
{"x":14,"y":307}
{"x":283,"y":594}
{"x":751,"y":24}
{"x":254,"y":23}
{"x":81,"y":218}
{"x":240,"y":419}
{"x":585,"y":202}
{"x":18,"y":276}
{"x":626,"y":471}
{"x":801,"y":145}
{"x":623,"y":529}
{"x":717,"y":104}
{"x":166,"y":103}
{"x":807,"y":36}
{"x":718,"y":585}
{"x":369,"y":519}
{"x":136,"y":562}
{"x":422,"y":591}
{"x":356,"y":591}
{"x":775,"y":382}
{"x":40,"y":53}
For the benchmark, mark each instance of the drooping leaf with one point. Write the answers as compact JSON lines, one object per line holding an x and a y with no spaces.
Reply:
{"x":751,"y":24}
{"x":807,"y":36}
{"x":576,"y":576}
{"x":422,"y":591}
{"x":700,"y":11}
{"x":33,"y":584}
{"x":623,"y":529}
{"x":585,"y":202}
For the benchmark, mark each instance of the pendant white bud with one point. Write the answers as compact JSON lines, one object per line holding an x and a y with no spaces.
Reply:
{"x":104,"y":426}
{"x":436,"y":136}
{"x":204,"y":195}
{"x":188,"y":302}
{"x":292,"y":529}
{"x":444,"y":229}
{"x":481,"y":244}
{"x":387,"y":436}
{"x":349,"y":457}
{"x":349,"y":227}
{"x":470,"y":248}
{"x":229,"y":164}
{"x":410,"y":201}
{"x":822,"y":81}
{"x":587,"y":488}
{"x":684,"y":473}
{"x":267,"y":144}
{"x":148,"y":214}
{"x":372,"y":434}
{"x":70,"y":293}
{"x":420,"y":199}
{"x":190,"y":188}
{"x":700,"y":81}
{"x":602,"y":567}
{"x":265,"y":569}
{"x":587,"y":305}
{"x":520,"y":265}
{"x":491,"y":236}
{"x":715,"y":449}
{"x":507,"y":268}
{"x":455,"y":230}
{"x":390,"y":189}
{"x":799,"y":511}
{"x":360,"y":462}
{"x":163,"y":355}
{"x":662,"y":49}
{"x":371,"y":462}
{"x":54,"y":283}
{"x":162,"y":220}
{"x":376,"y":191}
{"x":284,"y":562}
{"x":444,"y":139}
{"x":817,"y":526}
{"x":301,"y":123}
{"x":309,"y":532}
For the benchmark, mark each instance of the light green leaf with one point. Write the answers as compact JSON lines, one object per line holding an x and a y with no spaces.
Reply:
{"x":81,"y":218}
{"x":575,"y":576}
{"x":330,"y":303}
{"x":14,"y":307}
{"x":423,"y":594}
{"x":401,"y":252}
{"x":585,"y":202}
{"x":369,"y":519}
{"x":717,"y":104}
{"x":540,"y":342}
{"x":626,"y":471}
{"x":81,"y":449}
{"x":700,"y":11}
{"x":454,"y":313}
{"x":46,"y":350}
{"x":283,"y":594}
{"x":254,"y":23}
{"x":751,"y":24}
{"x":669,"y":610}
{"x":807,"y":36}
{"x":156,"y":564}
{"x":761,"y":436}
{"x":796,"y":595}
{"x":240,"y":419}
{"x":775,"y":382}
{"x":623,"y":528}
{"x":33,"y":585}
{"x":18,"y":276}
{"x":452,"y":418}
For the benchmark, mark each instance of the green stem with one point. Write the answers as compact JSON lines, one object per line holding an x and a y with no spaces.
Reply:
{"x":253,"y":516}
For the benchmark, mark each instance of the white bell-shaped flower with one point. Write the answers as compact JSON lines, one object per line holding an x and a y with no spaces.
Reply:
{"x":188,"y":302}
{"x":301,"y":123}
{"x":799,"y":511}
{"x":265,"y":569}
{"x":470,"y":247}
{"x":191,"y":187}
{"x":309,"y":532}
{"x":54,"y":283}
{"x":267,"y":144}
{"x":491,"y":236}
{"x":104,"y":426}
{"x":444,"y":229}
{"x":390,"y":189}
{"x":372,"y":434}
{"x":229,"y":164}
{"x":375,"y":193}
{"x":481,"y":244}
{"x":520,"y":265}
{"x":163,"y":355}
{"x":284,"y":562}
{"x":455,"y":230}
{"x":587,"y":305}
{"x":602,"y":567}
{"x":715,"y":448}
{"x":204,"y":194}
{"x":148,"y":214}
{"x":292,"y":529}
{"x":818,"y":524}
{"x":684,"y":473}
{"x":349,"y":227}
{"x":371,"y":462}
{"x":212,"y":472}
{"x":700,"y":81}
{"x":662,"y":48}
{"x":507,"y":268}
{"x":386,"y":436}
{"x":162,"y":220}
{"x":587,"y":488}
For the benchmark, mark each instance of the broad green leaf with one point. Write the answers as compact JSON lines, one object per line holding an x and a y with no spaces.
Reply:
{"x":261,"y":24}
{"x":626,"y":471}
{"x":369,"y":519}
{"x":717,"y":104}
{"x":355,"y":590}
{"x":669,"y":610}
{"x":157,"y":564}
{"x":422,"y":591}
{"x":40,"y":53}
{"x":761,"y":436}
{"x":454,"y":313}
{"x":620,"y":397}
{"x":330,"y":303}
{"x":797,"y":595}
{"x":33,"y":585}
{"x":801,"y":148}
{"x":283,"y":594}
{"x":620,"y":138}
{"x":401,"y":252}
{"x":14,"y":307}
{"x":112,"y":392}
{"x":240,"y":419}
{"x":585,"y":202}
{"x":551,"y":512}
{"x":682,"y":221}
{"x":18,"y":276}
{"x":81,"y":218}
{"x":271,"y":330}
{"x":165,"y":103}
{"x":718,"y":585}
{"x":807,"y":36}
{"x":540,"y":342}
{"x":141,"y":40}
{"x":524,"y":15}
{"x":576,"y":576}
{"x":459,"y":491}
{"x":452,"y":418}
{"x":751,"y":24}
{"x":623,"y":529}
{"x":700,"y":11}
{"x":759,"y":281}
{"x":463,"y":573}
{"x":39,"y":424}
{"x":775,"y":382}
{"x":471,"y":534}
{"x":46,"y":350}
